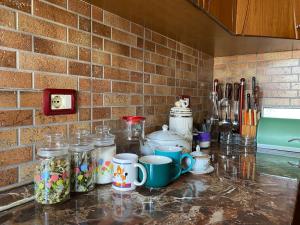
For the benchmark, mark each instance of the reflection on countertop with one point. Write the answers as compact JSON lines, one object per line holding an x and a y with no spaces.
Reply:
{"x":235,"y":193}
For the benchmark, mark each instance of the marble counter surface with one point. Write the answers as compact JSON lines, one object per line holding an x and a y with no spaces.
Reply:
{"x":235,"y":193}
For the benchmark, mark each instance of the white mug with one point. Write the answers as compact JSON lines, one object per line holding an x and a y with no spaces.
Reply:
{"x":125,"y":172}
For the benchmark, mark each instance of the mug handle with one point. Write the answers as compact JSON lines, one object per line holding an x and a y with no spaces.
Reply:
{"x":190,"y":167}
{"x":140,"y":166}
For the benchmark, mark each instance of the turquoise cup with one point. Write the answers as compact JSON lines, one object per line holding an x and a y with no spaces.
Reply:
{"x":179,"y":159}
{"x":159,"y":171}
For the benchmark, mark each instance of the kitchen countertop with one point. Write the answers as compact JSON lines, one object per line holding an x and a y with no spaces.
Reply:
{"x":235,"y":193}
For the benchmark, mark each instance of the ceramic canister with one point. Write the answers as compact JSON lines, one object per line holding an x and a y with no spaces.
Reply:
{"x":125,"y":172}
{"x":159,"y":171}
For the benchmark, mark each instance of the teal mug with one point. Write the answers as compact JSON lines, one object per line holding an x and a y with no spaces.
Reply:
{"x":178,"y":157}
{"x":158,"y":169}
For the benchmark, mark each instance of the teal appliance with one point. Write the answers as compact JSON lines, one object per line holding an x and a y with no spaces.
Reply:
{"x":279,"y":134}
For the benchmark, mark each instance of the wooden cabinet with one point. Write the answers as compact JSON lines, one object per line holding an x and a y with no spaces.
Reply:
{"x":222,"y":10}
{"x":270,"y":18}
{"x":297,"y":18}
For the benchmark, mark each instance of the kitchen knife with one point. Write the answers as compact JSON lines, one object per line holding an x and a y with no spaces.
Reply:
{"x":241,"y":102}
{"x":228,"y":91}
{"x":215,"y":84}
{"x":248,"y":102}
{"x":236,"y":88}
{"x":253,"y":85}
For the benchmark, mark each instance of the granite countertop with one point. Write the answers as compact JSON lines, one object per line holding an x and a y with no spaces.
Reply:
{"x":235,"y":193}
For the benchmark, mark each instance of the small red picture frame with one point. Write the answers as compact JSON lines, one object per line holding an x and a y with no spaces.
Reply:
{"x":69,"y":94}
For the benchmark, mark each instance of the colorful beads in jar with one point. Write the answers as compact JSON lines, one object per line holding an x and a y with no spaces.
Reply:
{"x":82,"y":162}
{"x":52,"y":172}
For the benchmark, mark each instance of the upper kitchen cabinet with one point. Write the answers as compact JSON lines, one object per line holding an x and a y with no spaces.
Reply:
{"x":269,"y":18}
{"x":297,"y":17}
{"x":221,"y":10}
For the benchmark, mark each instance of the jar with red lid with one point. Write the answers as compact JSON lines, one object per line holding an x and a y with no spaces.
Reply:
{"x":135,"y":126}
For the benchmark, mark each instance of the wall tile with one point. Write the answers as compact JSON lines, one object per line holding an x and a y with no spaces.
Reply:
{"x":15,"y":40}
{"x":8,"y":18}
{"x":15,"y":156}
{"x":13,"y":118}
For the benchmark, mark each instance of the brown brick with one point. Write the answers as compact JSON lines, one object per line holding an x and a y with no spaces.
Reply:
{"x":146,"y":78}
{"x":97,"y":71}
{"x":123,"y":87}
{"x":80,"y":7}
{"x":7,"y":18}
{"x":31,"y":99}
{"x":53,"y":13}
{"x":23,"y":5}
{"x":119,"y":112}
{"x":117,"y":48}
{"x":97,"y":99}
{"x":163,"y":50}
{"x":136,"y":77}
{"x":172,"y":44}
{"x":8,"y":99}
{"x":97,"y":13}
{"x":84,"y":24}
{"x":42,"y":81}
{"x":148,"y":89}
{"x":158,"y":38}
{"x":84,"y":54}
{"x":7,"y":59}
{"x":8,"y":177}
{"x":101,"y":29}
{"x":115,"y":74}
{"x":150,"y":46}
{"x":127,"y":63}
{"x":101,"y":113}
{"x":8,"y":138}
{"x":149,"y":68}
{"x":15,"y":40}
{"x":100,"y":57}
{"x":84,"y":84}
{"x":37,"y":134}
{"x":162,"y":70}
{"x":40,"y":118}
{"x":62,"y":3}
{"x":136,"y":100}
{"x":137,"y":29}
{"x":140,"y":42}
{"x":42,"y":63}
{"x":84,"y":99}
{"x":54,"y":48}
{"x":9,"y":79}
{"x":41,"y":27}
{"x":136,"y":53}
{"x":157,"y":79}
{"x":25,"y":171}
{"x":97,"y":42}
{"x":15,"y":118}
{"x":77,"y":68}
{"x":84,"y":114}
{"x":123,"y":37}
{"x":101,"y":86}
{"x":15,"y":156}
{"x":113,"y":99}
{"x":116,"y":21}
{"x":79,"y":37}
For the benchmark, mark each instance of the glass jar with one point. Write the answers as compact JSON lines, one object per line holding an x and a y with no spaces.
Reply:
{"x":82,"y":161}
{"x":105,"y":149}
{"x":135,"y":127}
{"x":52,"y":172}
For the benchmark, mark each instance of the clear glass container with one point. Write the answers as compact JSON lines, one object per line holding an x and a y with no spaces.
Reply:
{"x":135,"y":127}
{"x":52,"y":172}
{"x":82,"y":161}
{"x":105,"y":149}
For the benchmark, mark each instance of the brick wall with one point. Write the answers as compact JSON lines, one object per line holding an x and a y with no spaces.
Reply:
{"x":277,"y":74}
{"x":117,"y":66}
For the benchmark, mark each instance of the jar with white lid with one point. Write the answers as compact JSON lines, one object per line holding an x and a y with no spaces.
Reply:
{"x":82,"y":154}
{"x":105,"y":149}
{"x":52,"y":172}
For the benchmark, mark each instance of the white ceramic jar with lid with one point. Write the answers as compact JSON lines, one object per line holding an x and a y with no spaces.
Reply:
{"x":163,"y":137}
{"x":105,"y":150}
{"x":82,"y":154}
{"x":52,"y":172}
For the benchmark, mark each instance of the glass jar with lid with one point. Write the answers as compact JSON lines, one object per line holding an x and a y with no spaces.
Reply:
{"x":81,"y":150}
{"x":105,"y":149}
{"x":52,"y":172}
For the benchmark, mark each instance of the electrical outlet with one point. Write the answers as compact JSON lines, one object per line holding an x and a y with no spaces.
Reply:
{"x":59,"y":101}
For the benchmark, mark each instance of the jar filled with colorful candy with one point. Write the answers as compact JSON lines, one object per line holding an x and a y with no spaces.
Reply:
{"x":52,"y":172}
{"x":82,"y":161}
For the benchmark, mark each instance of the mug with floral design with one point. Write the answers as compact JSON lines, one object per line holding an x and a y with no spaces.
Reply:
{"x":104,"y":166}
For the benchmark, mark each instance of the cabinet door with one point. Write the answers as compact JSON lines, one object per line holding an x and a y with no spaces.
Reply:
{"x":222,"y":10}
{"x":271,"y":18}
{"x":297,"y":17}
